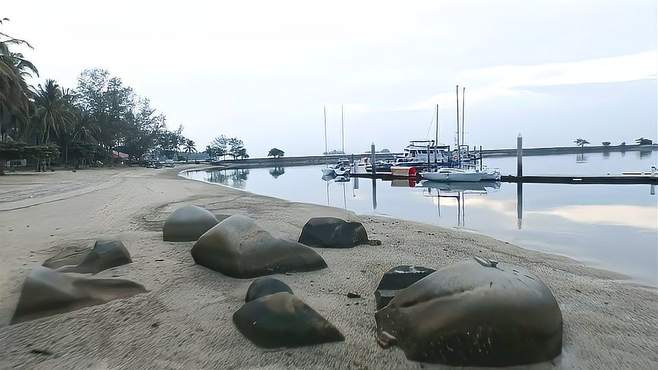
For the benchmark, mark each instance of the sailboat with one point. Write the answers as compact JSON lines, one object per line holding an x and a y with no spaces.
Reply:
{"x":460,"y":174}
{"x":326,"y":170}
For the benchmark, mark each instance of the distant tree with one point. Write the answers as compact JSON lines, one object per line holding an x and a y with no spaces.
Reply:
{"x":581,"y":142}
{"x":606,"y":143}
{"x":211,"y":152}
{"x":220,"y":144}
{"x":643,"y":141}
{"x":236,"y":147}
{"x":276,"y":153}
{"x":242,"y":153}
{"x":623,"y":143}
{"x":189,"y":148}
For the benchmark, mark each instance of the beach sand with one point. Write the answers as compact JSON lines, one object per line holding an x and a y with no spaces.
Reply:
{"x":184,"y":321}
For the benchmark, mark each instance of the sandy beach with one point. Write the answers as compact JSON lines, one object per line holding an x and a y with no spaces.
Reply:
{"x":184,"y":320}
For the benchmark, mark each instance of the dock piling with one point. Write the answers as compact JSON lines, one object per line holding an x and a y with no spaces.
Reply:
{"x":372,"y":159}
{"x":519,"y":156}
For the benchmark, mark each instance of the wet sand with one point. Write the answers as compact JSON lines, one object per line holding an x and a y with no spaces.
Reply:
{"x":184,"y":321}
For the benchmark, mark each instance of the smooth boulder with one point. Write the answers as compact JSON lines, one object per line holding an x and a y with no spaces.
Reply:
{"x":283,"y":320}
{"x":474,"y":313}
{"x":187,"y":224}
{"x":48,"y":292}
{"x":265,"y":286}
{"x":238,"y":247}
{"x":105,"y":254}
{"x":332,"y":232}
{"x":396,"y":279}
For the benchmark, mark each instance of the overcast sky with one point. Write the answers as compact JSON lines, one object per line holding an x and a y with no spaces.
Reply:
{"x":553,"y":70}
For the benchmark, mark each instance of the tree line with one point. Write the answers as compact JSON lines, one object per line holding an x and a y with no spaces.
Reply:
{"x":87,"y":125}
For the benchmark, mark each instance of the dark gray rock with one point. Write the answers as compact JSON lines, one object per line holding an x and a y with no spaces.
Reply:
{"x":104,"y":255}
{"x":238,"y":247}
{"x":265,"y":286}
{"x":396,"y":279}
{"x":283,"y":320}
{"x":473,"y":314}
{"x":48,"y":292}
{"x":187,"y":224}
{"x":332,"y":232}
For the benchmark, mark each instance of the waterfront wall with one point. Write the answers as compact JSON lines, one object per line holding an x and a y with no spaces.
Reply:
{"x":321,"y":159}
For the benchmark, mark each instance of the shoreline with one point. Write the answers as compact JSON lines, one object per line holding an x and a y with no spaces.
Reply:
{"x":609,"y":321}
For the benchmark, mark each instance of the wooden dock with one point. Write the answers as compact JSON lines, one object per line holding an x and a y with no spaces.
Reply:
{"x":607,"y":179}
{"x":619,"y":179}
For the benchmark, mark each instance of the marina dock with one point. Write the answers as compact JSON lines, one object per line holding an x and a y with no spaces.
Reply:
{"x":549,"y":179}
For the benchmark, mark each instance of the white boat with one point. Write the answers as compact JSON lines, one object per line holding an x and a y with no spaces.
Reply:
{"x":460,"y":175}
{"x":328,"y":171}
{"x":416,"y":154}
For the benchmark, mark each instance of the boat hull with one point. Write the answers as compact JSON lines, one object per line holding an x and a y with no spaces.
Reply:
{"x":460,"y":176}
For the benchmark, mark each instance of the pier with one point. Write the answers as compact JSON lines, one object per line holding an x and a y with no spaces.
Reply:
{"x":548,"y":179}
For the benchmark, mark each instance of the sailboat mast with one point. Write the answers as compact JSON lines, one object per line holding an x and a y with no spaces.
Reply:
{"x":463,"y":110}
{"x":436,"y":142}
{"x":458,"y":149}
{"x":325,"y":130}
{"x":342,"y":130}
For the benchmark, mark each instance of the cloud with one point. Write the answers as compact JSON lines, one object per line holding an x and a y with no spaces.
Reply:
{"x":513,"y":81}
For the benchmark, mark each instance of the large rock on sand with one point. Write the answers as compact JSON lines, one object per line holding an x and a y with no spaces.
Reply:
{"x":283,"y":320}
{"x":265,"y":286}
{"x":396,"y":279}
{"x":187,"y":224}
{"x":104,"y":255}
{"x":332,"y":232}
{"x":238,"y":247}
{"x":48,"y":292}
{"x":474,"y":313}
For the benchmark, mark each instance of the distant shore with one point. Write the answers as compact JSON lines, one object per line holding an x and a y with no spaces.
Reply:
{"x":184,"y":320}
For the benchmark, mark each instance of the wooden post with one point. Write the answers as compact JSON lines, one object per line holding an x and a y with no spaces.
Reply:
{"x":480,"y":157}
{"x":373,"y":158}
{"x":519,"y":157}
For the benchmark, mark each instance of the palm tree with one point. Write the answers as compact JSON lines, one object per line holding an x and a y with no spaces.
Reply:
{"x":189,"y":147}
{"x":581,"y":142}
{"x":53,"y":111}
{"x":14,"y":91}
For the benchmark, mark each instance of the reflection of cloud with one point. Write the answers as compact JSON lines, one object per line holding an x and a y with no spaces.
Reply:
{"x":616,"y":214}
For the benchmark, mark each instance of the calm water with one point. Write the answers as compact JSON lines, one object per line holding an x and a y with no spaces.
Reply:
{"x":609,"y":226}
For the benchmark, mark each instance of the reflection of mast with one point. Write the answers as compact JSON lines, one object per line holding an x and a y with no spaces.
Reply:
{"x":327,"y":192}
{"x":344,"y":199}
{"x":519,"y":205}
{"x":374,"y":193}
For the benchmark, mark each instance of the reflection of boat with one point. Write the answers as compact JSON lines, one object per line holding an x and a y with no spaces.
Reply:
{"x":461,"y":186}
{"x":461,"y":175}
{"x":342,"y":179}
{"x":328,"y":177}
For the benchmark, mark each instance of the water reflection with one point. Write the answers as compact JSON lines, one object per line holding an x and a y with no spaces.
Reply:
{"x":457,"y":191}
{"x":235,"y":178}
{"x":519,"y":205}
{"x":581,"y":158}
{"x":277,"y":171}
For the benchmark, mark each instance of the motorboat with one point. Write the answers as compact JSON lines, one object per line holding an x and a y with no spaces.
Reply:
{"x":421,"y":152}
{"x":461,"y":175}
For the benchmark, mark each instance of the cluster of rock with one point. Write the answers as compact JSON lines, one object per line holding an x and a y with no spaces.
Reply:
{"x":47,"y":291}
{"x":473,"y":313}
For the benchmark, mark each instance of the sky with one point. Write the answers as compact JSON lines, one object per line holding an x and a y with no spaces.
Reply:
{"x":551,"y":70}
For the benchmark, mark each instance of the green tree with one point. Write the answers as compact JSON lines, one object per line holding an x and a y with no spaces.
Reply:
{"x":643,"y":141}
{"x":276,"y":153}
{"x":14,"y":90}
{"x":189,"y":148}
{"x":236,"y":147}
{"x":581,"y":142}
{"x":54,"y":113}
